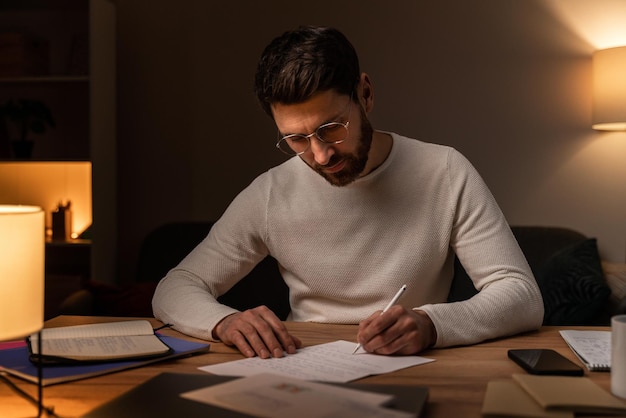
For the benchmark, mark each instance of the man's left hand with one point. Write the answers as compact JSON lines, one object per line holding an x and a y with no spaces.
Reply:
{"x":397,"y":331}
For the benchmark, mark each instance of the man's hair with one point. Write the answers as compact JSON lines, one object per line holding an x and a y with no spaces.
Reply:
{"x":305,"y":61}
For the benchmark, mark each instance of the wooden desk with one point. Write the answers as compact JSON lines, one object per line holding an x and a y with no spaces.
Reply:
{"x":457,"y":379}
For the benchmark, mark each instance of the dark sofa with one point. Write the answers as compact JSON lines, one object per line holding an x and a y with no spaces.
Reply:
{"x":566,"y":264}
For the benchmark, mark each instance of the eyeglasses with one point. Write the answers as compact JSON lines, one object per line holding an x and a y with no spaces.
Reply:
{"x":329,"y":133}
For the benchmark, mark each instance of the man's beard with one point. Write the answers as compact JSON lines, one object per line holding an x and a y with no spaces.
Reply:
{"x":354,"y":163}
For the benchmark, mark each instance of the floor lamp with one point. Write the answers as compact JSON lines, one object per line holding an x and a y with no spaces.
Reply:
{"x":22,"y":250}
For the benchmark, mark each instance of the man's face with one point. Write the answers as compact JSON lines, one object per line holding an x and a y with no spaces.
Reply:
{"x":340,"y":164}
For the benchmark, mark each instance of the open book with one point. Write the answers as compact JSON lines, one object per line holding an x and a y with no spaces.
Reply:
{"x":98,"y":342}
{"x":14,"y":360}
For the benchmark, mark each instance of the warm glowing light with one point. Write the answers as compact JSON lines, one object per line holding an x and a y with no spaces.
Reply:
{"x":609,"y":89}
{"x":45,"y":184}
{"x":599,"y":22}
{"x":22,"y":251}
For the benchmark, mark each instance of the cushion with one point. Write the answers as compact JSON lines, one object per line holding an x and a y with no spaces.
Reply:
{"x":572,"y":285}
{"x":615,"y":276}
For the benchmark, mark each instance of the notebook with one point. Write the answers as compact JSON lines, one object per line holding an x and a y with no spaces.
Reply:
{"x":102,"y":342}
{"x":160,"y":397}
{"x":593,"y":348}
{"x":580,"y":395}
{"x":506,"y":398}
{"x":15,"y":361}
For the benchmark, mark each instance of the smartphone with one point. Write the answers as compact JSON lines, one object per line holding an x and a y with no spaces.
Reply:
{"x":545,"y":361}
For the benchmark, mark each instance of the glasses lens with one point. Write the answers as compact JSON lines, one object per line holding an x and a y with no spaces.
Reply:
{"x":332,"y":132}
{"x":293,"y":145}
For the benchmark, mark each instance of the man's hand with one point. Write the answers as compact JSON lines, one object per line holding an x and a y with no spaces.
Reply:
{"x":397,"y":331}
{"x":257,"y":331}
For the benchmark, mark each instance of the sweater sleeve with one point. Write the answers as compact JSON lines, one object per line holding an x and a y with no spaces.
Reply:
{"x":509,"y":300}
{"x":187,"y":296}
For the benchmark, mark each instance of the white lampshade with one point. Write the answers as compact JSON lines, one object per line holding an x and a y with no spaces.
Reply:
{"x":609,"y":89}
{"x":22,"y":249}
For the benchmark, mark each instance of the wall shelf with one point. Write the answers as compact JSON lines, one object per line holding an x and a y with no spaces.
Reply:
{"x":79,"y":88}
{"x":45,"y":79}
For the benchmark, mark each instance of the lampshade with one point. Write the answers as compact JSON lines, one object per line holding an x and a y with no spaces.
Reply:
{"x":609,"y":89}
{"x":22,"y":249}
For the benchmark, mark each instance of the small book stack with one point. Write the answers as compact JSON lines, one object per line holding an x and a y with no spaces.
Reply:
{"x":548,"y":397}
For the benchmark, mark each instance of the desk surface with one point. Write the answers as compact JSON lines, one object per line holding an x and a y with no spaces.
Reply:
{"x":457,"y":379}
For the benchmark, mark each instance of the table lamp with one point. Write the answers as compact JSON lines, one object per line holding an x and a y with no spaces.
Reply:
{"x":22,"y":249}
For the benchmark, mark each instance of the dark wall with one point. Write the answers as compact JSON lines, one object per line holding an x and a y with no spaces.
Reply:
{"x":506,"y":82}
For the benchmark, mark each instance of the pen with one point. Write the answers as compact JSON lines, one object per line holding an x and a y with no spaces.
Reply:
{"x":389,"y":305}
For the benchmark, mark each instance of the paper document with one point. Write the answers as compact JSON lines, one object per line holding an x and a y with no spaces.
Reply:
{"x":275,"y":396}
{"x":330,"y":362}
{"x":593,"y":348}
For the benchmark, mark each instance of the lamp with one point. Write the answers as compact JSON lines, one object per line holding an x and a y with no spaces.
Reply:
{"x":609,"y":89}
{"x":22,"y":249}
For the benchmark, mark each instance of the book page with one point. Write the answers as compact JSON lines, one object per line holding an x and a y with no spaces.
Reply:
{"x":138,"y":327}
{"x":111,"y":340}
{"x":111,"y":347}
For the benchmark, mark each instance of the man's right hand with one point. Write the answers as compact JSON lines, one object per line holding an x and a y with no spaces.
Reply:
{"x":257,"y":331}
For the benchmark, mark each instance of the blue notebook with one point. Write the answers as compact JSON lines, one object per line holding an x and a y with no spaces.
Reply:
{"x":15,"y":361}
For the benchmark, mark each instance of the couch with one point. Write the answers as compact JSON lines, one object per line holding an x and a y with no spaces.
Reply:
{"x":578,"y":287}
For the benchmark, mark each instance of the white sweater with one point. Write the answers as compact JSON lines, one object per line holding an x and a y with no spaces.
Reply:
{"x":345,"y":251}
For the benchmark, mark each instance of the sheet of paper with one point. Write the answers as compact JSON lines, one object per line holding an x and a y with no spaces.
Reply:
{"x":592,"y":347}
{"x":277,"y":396}
{"x":330,"y":362}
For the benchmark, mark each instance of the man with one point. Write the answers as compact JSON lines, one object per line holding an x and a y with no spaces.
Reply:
{"x":354,"y":215}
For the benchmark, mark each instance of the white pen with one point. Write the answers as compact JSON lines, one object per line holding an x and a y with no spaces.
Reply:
{"x":389,"y":305}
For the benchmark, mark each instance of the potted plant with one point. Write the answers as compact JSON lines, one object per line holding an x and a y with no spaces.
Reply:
{"x":25,"y":117}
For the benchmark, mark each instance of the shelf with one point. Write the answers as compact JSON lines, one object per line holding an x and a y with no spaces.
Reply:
{"x":62,"y":5}
{"x":46,"y":79}
{"x":78,"y":85}
{"x":68,"y":243}
{"x":45,"y":56}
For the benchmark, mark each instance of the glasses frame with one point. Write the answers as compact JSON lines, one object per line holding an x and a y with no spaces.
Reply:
{"x":316,"y":134}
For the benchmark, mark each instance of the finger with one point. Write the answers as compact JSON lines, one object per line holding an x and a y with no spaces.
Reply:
{"x":244,"y":330}
{"x":363,"y":334}
{"x":261,"y":330}
{"x":241,"y":342}
{"x":286,"y":342}
{"x":257,"y":331}
{"x":272,"y":332}
{"x":405,"y":336}
{"x":377,"y":323}
{"x":258,"y":345}
{"x":413,"y":332}
{"x":395,"y":343}
{"x":244,"y":335}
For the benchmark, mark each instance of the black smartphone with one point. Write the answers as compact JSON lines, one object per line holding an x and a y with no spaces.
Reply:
{"x":545,"y":361}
